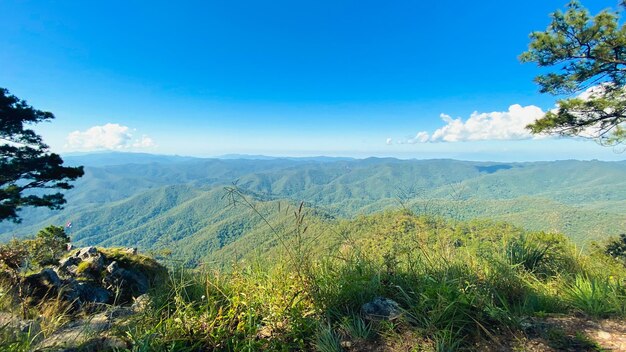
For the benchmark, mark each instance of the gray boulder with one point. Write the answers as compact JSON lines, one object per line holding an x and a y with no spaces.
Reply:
{"x":381,"y":308}
{"x":96,"y":262}
{"x":68,"y":266}
{"x":87,"y":252}
{"x":91,"y":334}
{"x":126,"y":283}
{"x":14,"y":325}
{"x":88,"y":292}
{"x":45,"y":283}
{"x":141,"y":303}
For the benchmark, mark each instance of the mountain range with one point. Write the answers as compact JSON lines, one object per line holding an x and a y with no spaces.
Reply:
{"x":181,"y":204}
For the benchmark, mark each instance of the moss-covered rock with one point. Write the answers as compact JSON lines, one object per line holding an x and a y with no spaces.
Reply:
{"x":97,"y":275}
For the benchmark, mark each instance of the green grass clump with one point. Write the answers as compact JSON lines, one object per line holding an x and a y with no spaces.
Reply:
{"x":327,"y":340}
{"x":248,"y":309}
{"x":84,"y":267}
{"x":596,"y":296}
{"x":356,"y":327}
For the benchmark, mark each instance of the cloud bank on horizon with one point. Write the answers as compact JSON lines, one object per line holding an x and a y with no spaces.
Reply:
{"x":489,"y":126}
{"x":110,"y":136}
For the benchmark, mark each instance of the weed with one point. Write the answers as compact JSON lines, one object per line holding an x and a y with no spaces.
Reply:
{"x":327,"y":340}
{"x":356,"y":327}
{"x":592,"y":295}
{"x":446,"y":341}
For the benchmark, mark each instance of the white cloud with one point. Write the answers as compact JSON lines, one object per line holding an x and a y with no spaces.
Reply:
{"x":497,"y":125}
{"x":592,"y":92}
{"x":593,"y":131}
{"x":420,"y":137}
{"x":389,"y":141}
{"x":144,"y":142}
{"x":109,"y":136}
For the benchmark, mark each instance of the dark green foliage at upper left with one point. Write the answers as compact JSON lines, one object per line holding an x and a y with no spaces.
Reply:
{"x":25,"y":161}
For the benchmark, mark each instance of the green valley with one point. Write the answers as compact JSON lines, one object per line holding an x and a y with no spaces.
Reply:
{"x":179,"y":204}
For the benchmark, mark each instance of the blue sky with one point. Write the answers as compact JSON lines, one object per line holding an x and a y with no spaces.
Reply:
{"x":353,"y":78}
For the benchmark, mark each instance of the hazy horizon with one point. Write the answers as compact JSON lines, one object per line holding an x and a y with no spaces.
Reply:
{"x":313,"y":156}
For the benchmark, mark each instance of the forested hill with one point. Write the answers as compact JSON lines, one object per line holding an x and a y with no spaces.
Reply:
{"x":158,"y":202}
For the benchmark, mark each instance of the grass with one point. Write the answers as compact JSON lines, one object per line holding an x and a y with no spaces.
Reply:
{"x":453,"y":295}
{"x":457,"y":283}
{"x":327,"y":340}
{"x":559,"y":340}
{"x":596,"y":296}
{"x":356,"y":327}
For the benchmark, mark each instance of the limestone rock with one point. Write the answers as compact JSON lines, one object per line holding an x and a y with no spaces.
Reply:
{"x":106,"y":285}
{"x":14,"y":325}
{"x":106,"y":343}
{"x":126,"y":283}
{"x":113,"y":267}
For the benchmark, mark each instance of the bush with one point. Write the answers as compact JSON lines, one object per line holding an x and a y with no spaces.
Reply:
{"x":46,"y":248}
{"x":616,"y":248}
{"x":598,"y":297}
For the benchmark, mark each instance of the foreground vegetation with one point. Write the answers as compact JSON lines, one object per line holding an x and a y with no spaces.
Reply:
{"x":460,"y":285}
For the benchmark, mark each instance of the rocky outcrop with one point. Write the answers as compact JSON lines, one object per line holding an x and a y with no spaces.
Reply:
{"x":100,"y":288}
{"x":91,"y":275}
{"x":89,"y":334}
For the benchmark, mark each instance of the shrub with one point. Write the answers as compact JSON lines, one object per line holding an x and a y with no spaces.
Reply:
{"x":598,"y":297}
{"x":48,"y":246}
{"x":616,"y":248}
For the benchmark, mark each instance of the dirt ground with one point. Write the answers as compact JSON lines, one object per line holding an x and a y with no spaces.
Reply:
{"x":569,"y":333}
{"x":555,"y":333}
